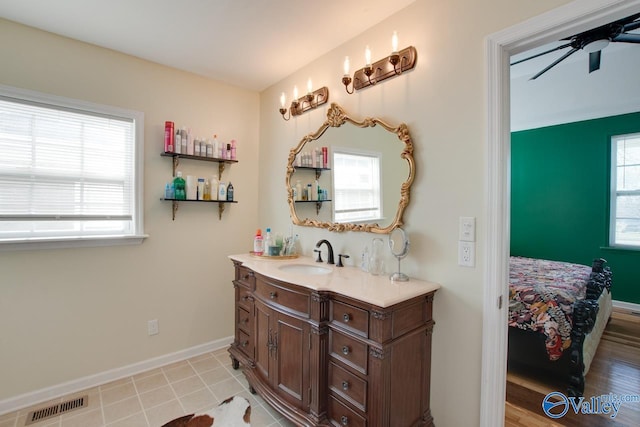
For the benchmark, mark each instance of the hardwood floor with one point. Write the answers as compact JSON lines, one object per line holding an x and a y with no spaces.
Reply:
{"x":615,"y":369}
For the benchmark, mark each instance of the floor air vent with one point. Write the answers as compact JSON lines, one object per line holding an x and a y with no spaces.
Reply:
{"x":57,"y":409}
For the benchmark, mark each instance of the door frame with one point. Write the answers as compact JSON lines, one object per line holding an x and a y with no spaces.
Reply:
{"x":572,"y":18}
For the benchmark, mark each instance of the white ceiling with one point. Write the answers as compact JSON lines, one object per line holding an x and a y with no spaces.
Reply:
{"x":248,"y":43}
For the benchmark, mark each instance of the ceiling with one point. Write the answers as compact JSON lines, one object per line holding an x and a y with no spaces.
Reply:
{"x":248,"y":43}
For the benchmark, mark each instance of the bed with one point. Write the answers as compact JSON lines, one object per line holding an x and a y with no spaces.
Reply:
{"x":557,"y":313}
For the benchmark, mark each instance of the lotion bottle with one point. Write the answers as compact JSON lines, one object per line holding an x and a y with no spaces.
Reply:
{"x":215,"y":187}
{"x":258,"y":243}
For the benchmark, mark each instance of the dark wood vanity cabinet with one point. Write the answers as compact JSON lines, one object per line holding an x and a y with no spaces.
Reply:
{"x":324,"y":359}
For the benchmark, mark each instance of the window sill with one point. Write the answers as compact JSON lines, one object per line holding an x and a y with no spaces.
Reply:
{"x":65,"y":243}
{"x":621,"y":248}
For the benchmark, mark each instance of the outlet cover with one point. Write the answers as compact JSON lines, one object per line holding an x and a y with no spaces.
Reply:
{"x":467,"y":254}
{"x":152,"y":326}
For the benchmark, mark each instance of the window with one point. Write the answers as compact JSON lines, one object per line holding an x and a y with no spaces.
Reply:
{"x":625,"y":191}
{"x":356,"y":185}
{"x":70,"y":171}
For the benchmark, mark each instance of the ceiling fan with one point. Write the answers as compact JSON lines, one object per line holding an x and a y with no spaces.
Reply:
{"x":593,"y":41}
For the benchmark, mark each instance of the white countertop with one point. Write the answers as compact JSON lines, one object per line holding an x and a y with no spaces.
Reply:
{"x":348,"y":281}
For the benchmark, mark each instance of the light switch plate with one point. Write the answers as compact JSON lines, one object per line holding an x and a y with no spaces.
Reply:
{"x":467,"y":229}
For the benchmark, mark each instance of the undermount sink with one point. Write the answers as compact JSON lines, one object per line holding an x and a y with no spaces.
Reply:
{"x":312,"y":270}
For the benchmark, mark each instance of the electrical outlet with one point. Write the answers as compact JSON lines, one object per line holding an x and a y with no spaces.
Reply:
{"x":466,"y":254}
{"x":152,"y":326}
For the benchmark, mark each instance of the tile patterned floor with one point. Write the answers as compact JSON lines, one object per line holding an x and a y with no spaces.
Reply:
{"x":152,"y":398}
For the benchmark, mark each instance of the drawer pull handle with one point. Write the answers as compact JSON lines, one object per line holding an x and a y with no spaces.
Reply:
{"x":245,"y":343}
{"x":345,"y":385}
{"x":346,"y":317}
{"x":246,"y":276}
{"x":244,"y":321}
{"x":245,"y":298}
{"x":344,"y":420}
{"x":273,"y":295}
{"x":345,"y":350}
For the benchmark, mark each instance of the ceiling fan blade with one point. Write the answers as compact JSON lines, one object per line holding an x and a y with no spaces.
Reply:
{"x":631,"y":26}
{"x":594,"y":61}
{"x":627,"y":38}
{"x":556,"y":62}
{"x":542,"y":53}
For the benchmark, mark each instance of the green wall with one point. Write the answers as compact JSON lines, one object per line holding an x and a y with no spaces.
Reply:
{"x":560,"y":197}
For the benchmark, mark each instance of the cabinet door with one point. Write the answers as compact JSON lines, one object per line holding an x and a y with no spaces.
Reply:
{"x":263,"y":339}
{"x":290,"y":369}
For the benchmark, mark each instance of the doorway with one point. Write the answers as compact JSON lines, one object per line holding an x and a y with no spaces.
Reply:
{"x":570,"y":19}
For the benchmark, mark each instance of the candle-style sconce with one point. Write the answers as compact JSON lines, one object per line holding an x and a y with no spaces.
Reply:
{"x":313,"y":99}
{"x":372,"y":73}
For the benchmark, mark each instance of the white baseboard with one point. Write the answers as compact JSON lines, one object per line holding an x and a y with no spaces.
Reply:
{"x":29,"y":399}
{"x":627,"y":306}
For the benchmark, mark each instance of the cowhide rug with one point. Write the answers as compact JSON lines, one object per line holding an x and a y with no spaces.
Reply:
{"x":233,"y":412}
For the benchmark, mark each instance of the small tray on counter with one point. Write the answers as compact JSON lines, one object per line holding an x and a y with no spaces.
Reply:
{"x":273,"y":257}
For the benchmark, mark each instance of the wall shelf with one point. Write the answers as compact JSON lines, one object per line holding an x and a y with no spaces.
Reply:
{"x":175,"y":203}
{"x":317,"y":170}
{"x":176,"y":161}
{"x":221,"y":165}
{"x":317,"y":202}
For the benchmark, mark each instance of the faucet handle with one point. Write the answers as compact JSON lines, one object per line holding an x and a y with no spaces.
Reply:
{"x":340,"y":256}
{"x":319,"y":255}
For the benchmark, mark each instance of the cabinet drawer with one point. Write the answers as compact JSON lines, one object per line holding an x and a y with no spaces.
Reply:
{"x":243,"y":319}
{"x":341,"y":415}
{"x":348,"y":386}
{"x":245,"y":276}
{"x":245,"y":343}
{"x":348,"y":350}
{"x":350,"y":317}
{"x":245,"y":299}
{"x":287,"y":298}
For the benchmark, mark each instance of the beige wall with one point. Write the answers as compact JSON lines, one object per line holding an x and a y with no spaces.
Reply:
{"x":443,"y":103}
{"x":86,"y":310}
{"x":69,"y":313}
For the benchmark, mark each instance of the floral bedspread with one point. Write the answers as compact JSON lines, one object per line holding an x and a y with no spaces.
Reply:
{"x":541,"y":297}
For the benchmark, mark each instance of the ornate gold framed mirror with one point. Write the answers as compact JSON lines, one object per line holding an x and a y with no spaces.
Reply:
{"x":351,"y":175}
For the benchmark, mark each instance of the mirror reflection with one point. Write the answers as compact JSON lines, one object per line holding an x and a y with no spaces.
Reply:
{"x":351,"y":175}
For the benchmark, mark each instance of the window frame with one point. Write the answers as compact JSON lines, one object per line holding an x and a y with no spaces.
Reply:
{"x":614,"y":191}
{"x":137,"y":235}
{"x":363,"y":153}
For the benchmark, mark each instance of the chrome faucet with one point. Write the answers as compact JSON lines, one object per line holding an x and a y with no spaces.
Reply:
{"x":329,"y":251}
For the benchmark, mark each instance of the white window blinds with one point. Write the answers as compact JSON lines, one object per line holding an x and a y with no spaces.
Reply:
{"x":357,"y":195}
{"x":64,"y":171}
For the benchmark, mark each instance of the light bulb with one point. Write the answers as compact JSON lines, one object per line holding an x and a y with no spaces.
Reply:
{"x":295,"y":93}
{"x":367,"y":56}
{"x":309,"y":86}
{"x":283,"y":100}
{"x":346,"y":65}
{"x":394,"y":42}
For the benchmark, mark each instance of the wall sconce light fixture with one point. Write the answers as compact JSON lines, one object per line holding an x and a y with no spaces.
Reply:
{"x":313,"y":99}
{"x":372,"y":73}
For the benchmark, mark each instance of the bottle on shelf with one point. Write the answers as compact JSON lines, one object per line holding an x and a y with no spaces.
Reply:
{"x":207,"y":190}
{"x":222,"y":191}
{"x":298,"y":190}
{"x":168,"y":191}
{"x":168,"y":137}
{"x":215,"y":184}
{"x":180,"y":192}
{"x":177,"y":142}
{"x":258,"y":243}
{"x":230,"y":192}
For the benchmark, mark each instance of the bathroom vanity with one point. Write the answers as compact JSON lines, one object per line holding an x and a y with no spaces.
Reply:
{"x":330,"y":346}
